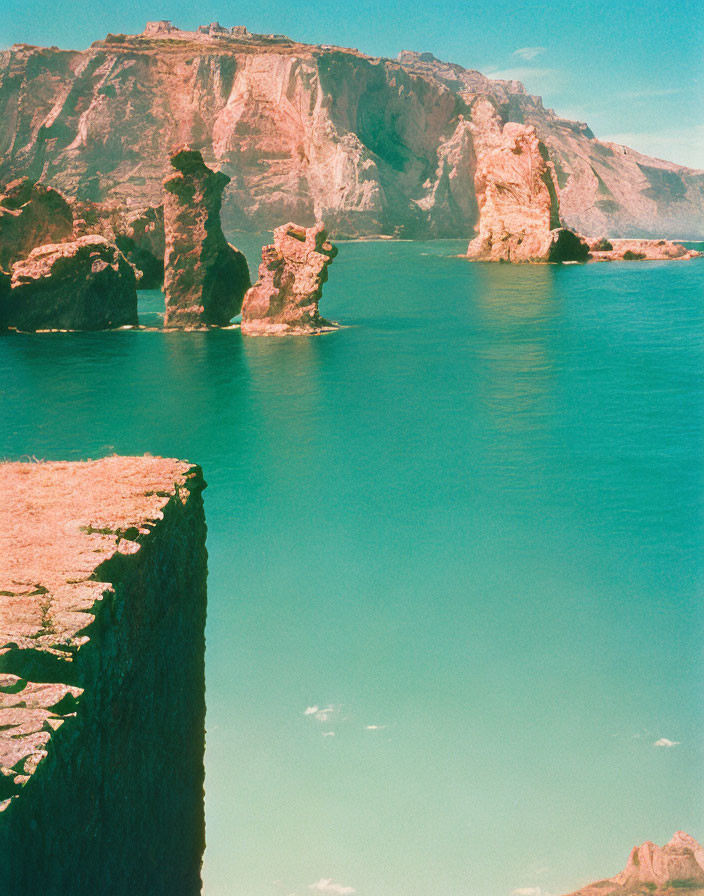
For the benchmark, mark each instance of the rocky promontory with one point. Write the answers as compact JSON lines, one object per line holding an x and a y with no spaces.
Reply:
{"x":205,"y":278}
{"x":85,"y":284}
{"x":102,"y":690}
{"x":670,"y":870}
{"x":367,"y":144}
{"x":284,"y":300}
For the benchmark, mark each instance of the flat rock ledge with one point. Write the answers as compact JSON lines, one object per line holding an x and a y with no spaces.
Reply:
{"x":102,"y":688}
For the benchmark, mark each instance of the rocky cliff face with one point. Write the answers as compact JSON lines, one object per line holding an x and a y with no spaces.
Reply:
{"x":85,"y":284}
{"x":30,"y":215}
{"x":291,"y":276}
{"x":205,"y":278}
{"x":676,"y":868}
{"x":102,"y":688}
{"x":308,"y":133}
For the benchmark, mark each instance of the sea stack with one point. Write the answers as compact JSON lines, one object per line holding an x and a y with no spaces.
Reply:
{"x":85,"y":284}
{"x":31,"y":214}
{"x":284,"y":300}
{"x":205,"y":278}
{"x":518,"y":196}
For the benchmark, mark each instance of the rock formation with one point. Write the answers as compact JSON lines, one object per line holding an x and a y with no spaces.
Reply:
{"x":284,"y":300}
{"x":653,"y":870}
{"x":205,"y":278}
{"x":86,"y":284}
{"x":139,"y":235}
{"x":102,"y":685}
{"x":31,"y":214}
{"x":639,"y":250}
{"x":518,"y":196}
{"x":308,"y":133}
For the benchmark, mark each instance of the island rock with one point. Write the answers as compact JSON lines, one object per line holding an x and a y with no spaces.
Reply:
{"x":205,"y":278}
{"x":517,"y":193}
{"x":285,"y":298}
{"x":640,"y":250}
{"x":31,"y":214}
{"x":86,"y":284}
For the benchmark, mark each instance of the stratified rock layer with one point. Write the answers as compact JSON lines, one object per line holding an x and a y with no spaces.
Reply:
{"x":205,"y":278}
{"x":31,"y":215}
{"x":518,"y":196}
{"x":285,"y":298}
{"x":676,"y":868}
{"x":308,"y":133}
{"x":86,"y":284}
{"x":102,"y":706}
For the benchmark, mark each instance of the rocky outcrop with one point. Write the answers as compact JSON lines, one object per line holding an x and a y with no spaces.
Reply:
{"x":102,"y":690}
{"x":31,"y":214}
{"x":518,"y":196}
{"x":308,"y":133}
{"x":284,"y":300}
{"x":205,"y":278}
{"x":86,"y":284}
{"x":639,"y":250}
{"x":139,"y":235}
{"x":672,"y":869}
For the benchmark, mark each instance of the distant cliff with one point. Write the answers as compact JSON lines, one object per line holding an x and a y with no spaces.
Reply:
{"x":372,"y":146}
{"x":676,"y":868}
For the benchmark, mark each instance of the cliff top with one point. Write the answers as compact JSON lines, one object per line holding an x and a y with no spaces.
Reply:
{"x":63,"y":527}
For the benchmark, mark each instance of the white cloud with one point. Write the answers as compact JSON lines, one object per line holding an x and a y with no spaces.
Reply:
{"x":327,"y":886}
{"x":322,"y":715}
{"x":528,"y":53}
{"x":374,"y":727}
{"x":526,"y":891}
{"x":664,"y":742}
{"x":311,"y":710}
{"x":328,"y":734}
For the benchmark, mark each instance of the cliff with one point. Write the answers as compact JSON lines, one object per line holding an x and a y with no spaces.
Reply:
{"x":308,"y":133}
{"x":102,"y":689}
{"x":676,"y":868}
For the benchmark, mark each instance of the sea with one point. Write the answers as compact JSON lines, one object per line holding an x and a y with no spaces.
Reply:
{"x":455,"y":625}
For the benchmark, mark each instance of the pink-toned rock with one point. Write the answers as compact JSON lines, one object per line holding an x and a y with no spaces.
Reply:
{"x":205,"y":278}
{"x":31,"y":214}
{"x":285,"y":298}
{"x":671,"y":869}
{"x":86,"y":284}
{"x":518,"y":196}
{"x":640,"y":250}
{"x":309,"y":133}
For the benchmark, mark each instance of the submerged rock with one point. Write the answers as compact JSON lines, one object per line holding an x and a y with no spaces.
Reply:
{"x":517,"y":193}
{"x":205,"y":278}
{"x":674,"y":868}
{"x":31,"y":214}
{"x":291,"y":276}
{"x":86,"y":284}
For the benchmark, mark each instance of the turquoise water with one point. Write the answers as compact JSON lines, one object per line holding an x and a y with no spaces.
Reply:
{"x":473,"y":519}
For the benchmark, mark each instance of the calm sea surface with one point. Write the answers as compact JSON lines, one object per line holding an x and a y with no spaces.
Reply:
{"x":472,"y":519}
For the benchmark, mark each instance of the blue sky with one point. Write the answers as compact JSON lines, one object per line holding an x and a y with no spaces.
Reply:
{"x":633,"y":70}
